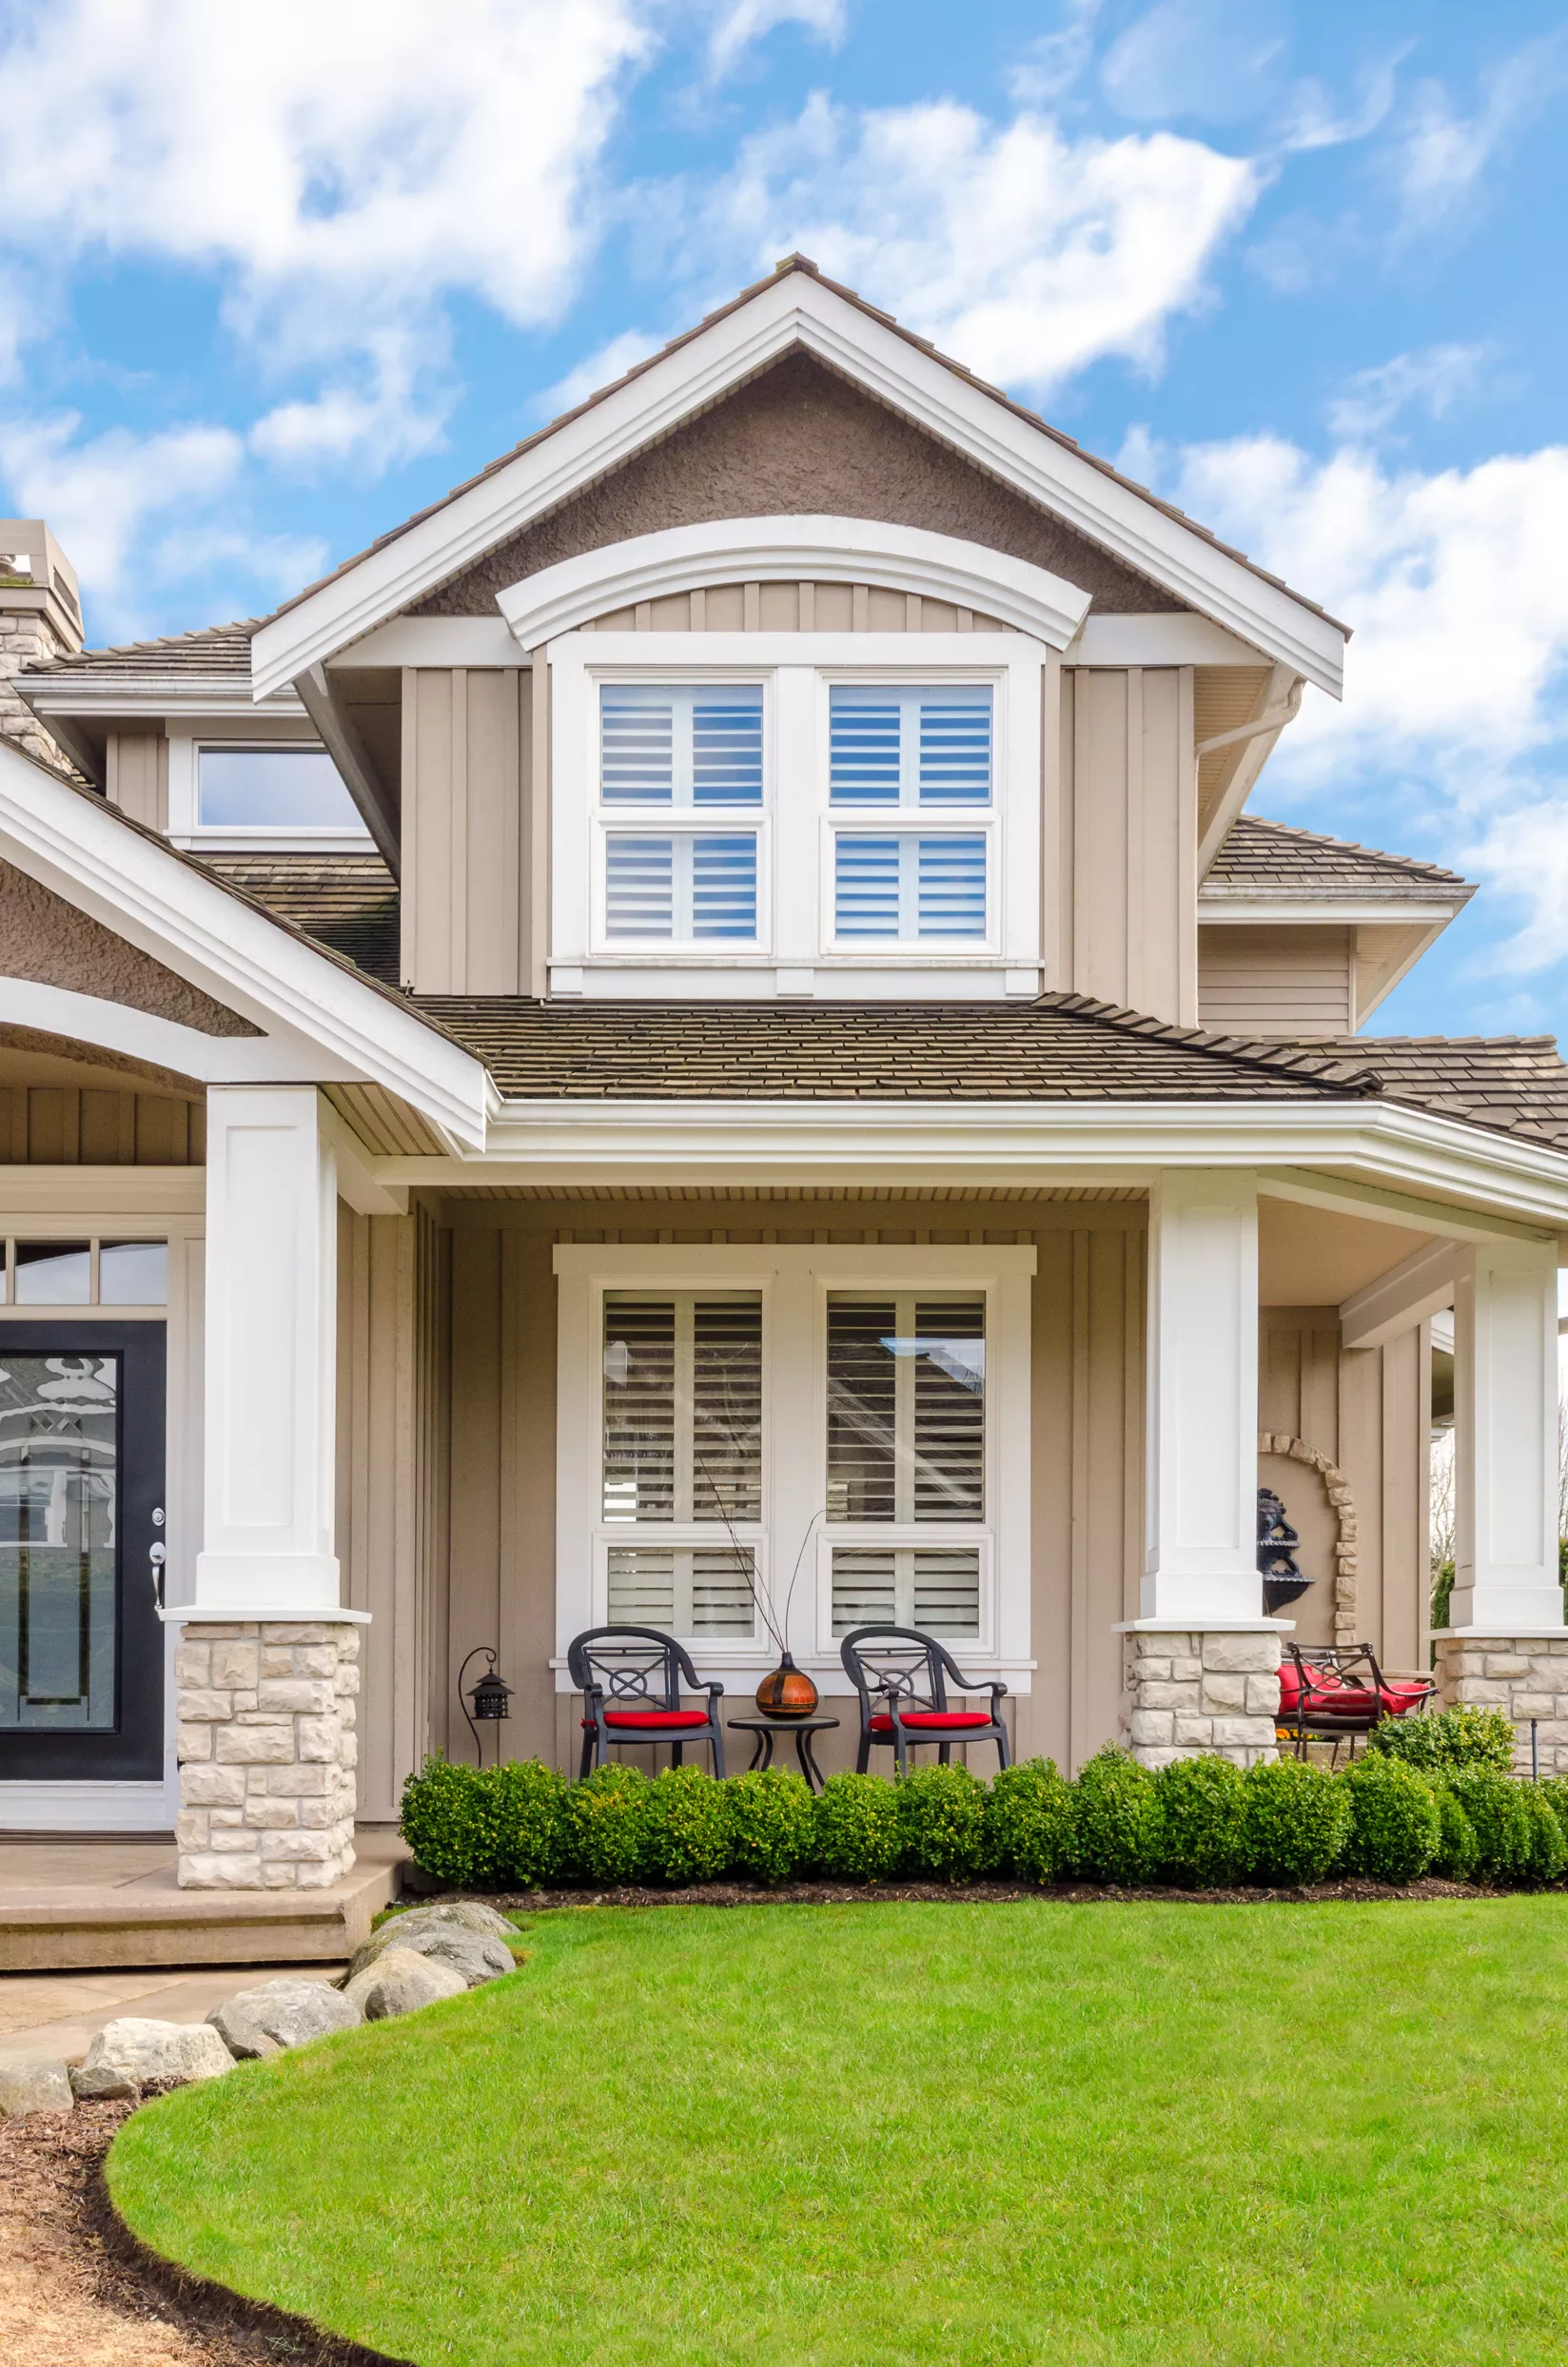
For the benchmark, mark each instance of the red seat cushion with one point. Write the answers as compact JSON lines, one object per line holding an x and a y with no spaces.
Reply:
{"x":654,"y":1721}
{"x":1400,"y":1699}
{"x":937,"y":1721}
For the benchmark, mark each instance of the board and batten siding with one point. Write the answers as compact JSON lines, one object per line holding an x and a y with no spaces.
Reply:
{"x":136,"y":777}
{"x":68,"y":1125}
{"x":468,"y":760}
{"x":795,"y":608}
{"x":1126,"y":879}
{"x":1277,"y":980}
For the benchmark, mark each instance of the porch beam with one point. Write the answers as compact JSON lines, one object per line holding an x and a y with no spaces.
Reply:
{"x":357,"y":1180}
{"x":1419,"y":1286}
{"x":1344,"y":1195}
{"x":1505,"y":1378}
{"x":1201,"y":1471}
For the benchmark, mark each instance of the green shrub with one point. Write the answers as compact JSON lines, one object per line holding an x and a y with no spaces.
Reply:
{"x":1116,"y":1820}
{"x":686,"y":1827}
{"x":1505,"y":1833}
{"x":1395,"y":1828}
{"x":1203,"y":1808}
{"x":941,"y":1817}
{"x":858,"y":1833}
{"x":1553,"y":1790}
{"x":603,"y":1825}
{"x":1028,"y":1822}
{"x":1297,"y":1820}
{"x":770,"y":1822}
{"x":1548,"y":1849}
{"x":530,"y":1817}
{"x":1458,"y":1849}
{"x":449,"y":1822}
{"x":1445,"y":1740}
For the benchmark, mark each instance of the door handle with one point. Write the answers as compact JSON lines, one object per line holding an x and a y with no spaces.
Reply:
{"x":157,"y":1557}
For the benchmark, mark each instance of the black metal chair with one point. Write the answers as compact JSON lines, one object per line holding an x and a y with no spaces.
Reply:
{"x":1337,"y":1691}
{"x":629,"y":1679}
{"x":906,"y":1669}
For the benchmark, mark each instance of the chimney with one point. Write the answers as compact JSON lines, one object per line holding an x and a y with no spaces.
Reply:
{"x":40,"y":620}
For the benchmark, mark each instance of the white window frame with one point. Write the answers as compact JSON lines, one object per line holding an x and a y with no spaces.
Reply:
{"x":185,"y":827}
{"x":794,"y":1282}
{"x":795,"y":831}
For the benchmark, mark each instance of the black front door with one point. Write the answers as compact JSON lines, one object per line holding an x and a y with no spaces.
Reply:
{"x":81,"y":1510}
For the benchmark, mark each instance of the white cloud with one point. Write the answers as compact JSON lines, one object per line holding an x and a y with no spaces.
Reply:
{"x":100,"y":496}
{"x":342,"y":167}
{"x":1218,"y":60}
{"x":741,"y":23}
{"x":1441,"y":154}
{"x":1434,"y":379}
{"x":1026,"y":254}
{"x":397,"y":413}
{"x":598,"y":370}
{"x":1052,"y":64}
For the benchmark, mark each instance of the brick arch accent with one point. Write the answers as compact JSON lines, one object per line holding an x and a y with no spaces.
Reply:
{"x":1338,"y":1490}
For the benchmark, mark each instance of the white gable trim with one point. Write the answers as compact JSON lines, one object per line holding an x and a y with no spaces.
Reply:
{"x":797,"y":309}
{"x":311,"y":1011}
{"x":778,"y":550}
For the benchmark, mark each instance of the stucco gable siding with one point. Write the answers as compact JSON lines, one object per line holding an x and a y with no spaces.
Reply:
{"x":47,"y":940}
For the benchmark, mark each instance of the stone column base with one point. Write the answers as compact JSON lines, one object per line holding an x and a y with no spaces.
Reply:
{"x":1207,"y":1690}
{"x":1525,"y":1676}
{"x":267,"y":1750}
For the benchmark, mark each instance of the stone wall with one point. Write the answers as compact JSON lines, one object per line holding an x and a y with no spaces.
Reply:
{"x":29,"y":639}
{"x":1211,"y":1691}
{"x":1526,"y":1676}
{"x":266,"y":1748}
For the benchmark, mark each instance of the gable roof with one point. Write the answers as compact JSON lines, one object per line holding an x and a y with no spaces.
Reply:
{"x":1261,"y":859}
{"x":797,"y":308}
{"x":214,"y":651}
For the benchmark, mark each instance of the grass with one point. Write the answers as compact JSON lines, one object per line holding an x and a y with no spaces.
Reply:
{"x":924,"y":2136}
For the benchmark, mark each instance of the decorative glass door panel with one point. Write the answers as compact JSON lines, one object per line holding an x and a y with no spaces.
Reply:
{"x":81,"y":1498}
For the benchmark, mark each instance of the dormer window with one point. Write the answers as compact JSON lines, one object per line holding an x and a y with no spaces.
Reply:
{"x":918,"y":749}
{"x":294,"y":790}
{"x":669,"y":750}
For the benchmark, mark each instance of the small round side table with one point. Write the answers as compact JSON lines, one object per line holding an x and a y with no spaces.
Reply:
{"x":802,"y":1729}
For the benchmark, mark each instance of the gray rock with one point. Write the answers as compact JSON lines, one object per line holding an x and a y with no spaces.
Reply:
{"x":451,"y":1914}
{"x":33,"y":2087}
{"x":400,"y":1982}
{"x":476,"y":1956}
{"x":131,"y":2054}
{"x":288,"y":2013}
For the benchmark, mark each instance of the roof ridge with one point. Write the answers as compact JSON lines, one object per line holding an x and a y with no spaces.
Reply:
{"x":1240,"y":1052}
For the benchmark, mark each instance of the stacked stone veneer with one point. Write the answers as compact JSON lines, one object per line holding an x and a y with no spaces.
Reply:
{"x":266,"y":1748}
{"x":1526,"y":1676}
{"x":1207,"y":1690}
{"x":28,"y":637}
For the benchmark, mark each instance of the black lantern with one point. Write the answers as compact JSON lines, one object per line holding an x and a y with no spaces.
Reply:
{"x":1284,"y":1578}
{"x":491,"y":1696}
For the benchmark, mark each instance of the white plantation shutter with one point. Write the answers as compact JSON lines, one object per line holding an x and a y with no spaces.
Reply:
{"x":700,"y":1591}
{"x":950,"y":886}
{"x":680,"y":744}
{"x":905,"y":1409}
{"x":681,"y":887}
{"x":910,"y":745}
{"x":937,"y":1589}
{"x":901,"y":885}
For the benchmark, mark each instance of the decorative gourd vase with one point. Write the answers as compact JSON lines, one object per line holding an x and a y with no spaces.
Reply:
{"x":787,"y":1693}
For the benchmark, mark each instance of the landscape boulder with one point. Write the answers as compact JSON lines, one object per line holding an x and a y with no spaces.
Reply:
{"x":400,"y":1982}
{"x":275,"y":2014}
{"x":451,"y":1933}
{"x":33,"y":2087}
{"x":131,"y":2054}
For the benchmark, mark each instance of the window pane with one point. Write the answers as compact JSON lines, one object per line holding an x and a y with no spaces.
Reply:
{"x":58,"y":1496}
{"x":905,"y":1409}
{"x":682,"y":1408}
{"x":866,"y":898}
{"x":727,"y":746}
{"x":272,"y":789}
{"x":865,"y":737}
{"x":724,"y":886}
{"x":53,"y":1274}
{"x":639,"y":886}
{"x":703,"y":1591}
{"x":937,"y":1589}
{"x":955,"y":746}
{"x":637,"y":745}
{"x":133,"y":1273}
{"x":952,"y":888}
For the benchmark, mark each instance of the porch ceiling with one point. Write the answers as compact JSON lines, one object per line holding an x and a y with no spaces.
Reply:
{"x":1314,"y":1258}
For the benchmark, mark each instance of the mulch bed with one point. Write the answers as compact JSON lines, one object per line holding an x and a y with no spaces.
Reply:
{"x":78,"y":2290}
{"x":945,"y":1895}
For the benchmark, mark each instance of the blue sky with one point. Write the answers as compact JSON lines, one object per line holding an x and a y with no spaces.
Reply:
{"x":269,"y":284}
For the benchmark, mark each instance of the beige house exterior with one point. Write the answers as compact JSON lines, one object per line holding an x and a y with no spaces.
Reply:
{"x":760,"y":882}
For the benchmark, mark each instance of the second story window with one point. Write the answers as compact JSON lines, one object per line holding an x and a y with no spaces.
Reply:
{"x":294,"y":790}
{"x":680,"y":791}
{"x":920,"y":751}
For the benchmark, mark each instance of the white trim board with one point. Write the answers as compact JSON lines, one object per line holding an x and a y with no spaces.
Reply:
{"x":796,"y":310}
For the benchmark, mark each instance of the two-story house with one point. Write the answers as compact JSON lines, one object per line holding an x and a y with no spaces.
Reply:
{"x":708,"y":1017}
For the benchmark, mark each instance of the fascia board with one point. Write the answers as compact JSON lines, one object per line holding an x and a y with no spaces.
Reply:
{"x":1384,"y":1143}
{"x":1162,"y":637}
{"x":434,"y":641}
{"x":132,"y":697}
{"x":167,"y":908}
{"x":819,"y":549}
{"x":1217,"y":910}
{"x":797,"y":309}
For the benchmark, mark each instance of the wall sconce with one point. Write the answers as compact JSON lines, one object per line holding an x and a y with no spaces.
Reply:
{"x":491,"y":1696}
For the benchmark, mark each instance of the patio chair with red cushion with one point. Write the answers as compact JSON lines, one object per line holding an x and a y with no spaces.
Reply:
{"x":631,"y":1681}
{"x":1338,"y":1690}
{"x":904,"y":1672}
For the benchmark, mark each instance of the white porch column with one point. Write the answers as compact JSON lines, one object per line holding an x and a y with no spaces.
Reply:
{"x":1201,"y":1462}
{"x":266,"y":1667}
{"x":1201,"y":1661}
{"x":1505,"y":1376}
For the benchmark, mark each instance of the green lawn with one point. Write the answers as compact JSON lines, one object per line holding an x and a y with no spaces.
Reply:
{"x":918,"y":2135}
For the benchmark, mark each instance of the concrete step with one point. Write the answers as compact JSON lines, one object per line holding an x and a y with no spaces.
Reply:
{"x":69,"y":1906}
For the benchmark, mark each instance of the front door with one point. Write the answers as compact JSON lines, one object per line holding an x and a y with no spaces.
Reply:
{"x":81,"y":1547}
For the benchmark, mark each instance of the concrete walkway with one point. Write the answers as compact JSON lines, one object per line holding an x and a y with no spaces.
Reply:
{"x":57,"y":2014}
